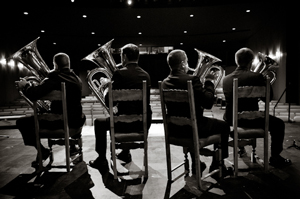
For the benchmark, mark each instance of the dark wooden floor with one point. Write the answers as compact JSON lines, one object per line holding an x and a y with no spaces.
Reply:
{"x":17,"y":178}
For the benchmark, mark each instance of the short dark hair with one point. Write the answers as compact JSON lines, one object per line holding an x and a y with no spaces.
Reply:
{"x":243,"y":57}
{"x":131,"y":51}
{"x":62,"y":60}
{"x":175,"y":57}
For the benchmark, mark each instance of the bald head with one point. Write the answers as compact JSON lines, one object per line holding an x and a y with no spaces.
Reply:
{"x":176,"y":58}
{"x":61,"y":60}
{"x":244,"y":57}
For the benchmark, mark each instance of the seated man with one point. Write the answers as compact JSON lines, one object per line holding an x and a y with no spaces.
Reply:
{"x":244,"y":58}
{"x":131,"y":76}
{"x":204,"y":98}
{"x":61,"y":73}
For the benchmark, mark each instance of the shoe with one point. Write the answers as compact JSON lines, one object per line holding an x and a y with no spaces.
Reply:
{"x":101,"y":165}
{"x":225,"y":171}
{"x":125,"y":157}
{"x":45,"y":155}
{"x":74,"y":150}
{"x":279,"y":162}
{"x":202,"y":167}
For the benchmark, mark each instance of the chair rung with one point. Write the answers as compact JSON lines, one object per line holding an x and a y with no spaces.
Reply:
{"x":178,"y":166}
{"x":125,"y":145}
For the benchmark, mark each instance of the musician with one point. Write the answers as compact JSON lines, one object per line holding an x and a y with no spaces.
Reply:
{"x":244,"y":58}
{"x":61,"y":73}
{"x":130,"y":76}
{"x":204,"y":98}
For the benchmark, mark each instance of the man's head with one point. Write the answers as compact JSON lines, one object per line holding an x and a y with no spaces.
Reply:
{"x":61,"y":60}
{"x":244,"y":57}
{"x":129,"y":53}
{"x":178,"y":60}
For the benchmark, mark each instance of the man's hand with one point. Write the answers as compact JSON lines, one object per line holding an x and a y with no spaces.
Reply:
{"x":210,"y":77}
{"x":20,"y":85}
{"x":104,"y":80}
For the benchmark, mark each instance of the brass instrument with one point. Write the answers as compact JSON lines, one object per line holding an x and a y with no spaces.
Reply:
{"x":266,"y":66}
{"x":106,"y":66}
{"x":30,"y":57}
{"x":207,"y":65}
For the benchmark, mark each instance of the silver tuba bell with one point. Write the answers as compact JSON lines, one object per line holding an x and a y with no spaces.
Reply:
{"x":207,"y":65}
{"x":30,"y":57}
{"x":266,"y":66}
{"x":106,"y":66}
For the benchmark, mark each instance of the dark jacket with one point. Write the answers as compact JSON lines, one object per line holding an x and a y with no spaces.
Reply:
{"x":73,"y":94}
{"x":245,"y":78}
{"x":131,"y":77}
{"x":204,"y":96}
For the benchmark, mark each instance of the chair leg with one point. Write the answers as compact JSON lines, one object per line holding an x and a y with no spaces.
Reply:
{"x":253,"y":154}
{"x":186,"y":161}
{"x":168,"y":158}
{"x":67,"y":149}
{"x":146,"y":158}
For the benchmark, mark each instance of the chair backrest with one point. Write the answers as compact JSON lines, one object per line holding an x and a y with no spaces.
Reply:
{"x":55,"y":95}
{"x":126,"y":95}
{"x":178,"y":96}
{"x":251,"y":92}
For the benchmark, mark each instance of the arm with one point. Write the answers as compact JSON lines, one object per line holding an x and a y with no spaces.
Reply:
{"x":204,"y":94}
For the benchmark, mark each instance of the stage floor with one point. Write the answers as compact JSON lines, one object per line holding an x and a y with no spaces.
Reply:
{"x":17,"y":176}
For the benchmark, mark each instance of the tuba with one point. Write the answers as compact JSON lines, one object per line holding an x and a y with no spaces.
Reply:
{"x":265,"y":66}
{"x":30,"y":57}
{"x":206,"y":65}
{"x":106,"y":66}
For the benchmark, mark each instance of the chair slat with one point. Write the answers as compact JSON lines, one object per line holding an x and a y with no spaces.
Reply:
{"x":181,"y":121}
{"x":250,"y":115}
{"x":127,"y":95}
{"x":128,"y":118}
{"x":174,"y":95}
{"x":251,"y":91}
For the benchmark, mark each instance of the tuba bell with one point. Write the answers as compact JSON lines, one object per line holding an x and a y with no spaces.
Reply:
{"x":266,"y":66}
{"x":30,"y":57}
{"x":207,"y":65}
{"x":106,"y":66}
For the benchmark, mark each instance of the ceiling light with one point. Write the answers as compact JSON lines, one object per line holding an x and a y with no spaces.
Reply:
{"x":84,"y":16}
{"x":191,"y":15}
{"x":140,"y":44}
{"x":138,"y":17}
{"x":26,"y":13}
{"x":247,"y":10}
{"x":233,"y":28}
{"x":181,"y":43}
{"x":54,"y":43}
{"x":42,"y":30}
{"x":140,"y":33}
{"x":185,"y":31}
{"x":224,"y":41}
{"x":93,"y":33}
{"x":99,"y":44}
{"x":129,"y":2}
{"x":72,"y":1}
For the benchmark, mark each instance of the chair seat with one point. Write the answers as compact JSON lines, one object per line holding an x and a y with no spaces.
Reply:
{"x":58,"y":133}
{"x":246,"y":133}
{"x":203,"y":142}
{"x":129,"y":137}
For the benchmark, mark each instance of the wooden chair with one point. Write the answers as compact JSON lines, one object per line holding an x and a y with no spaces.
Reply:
{"x":57,"y":136}
{"x":128,"y":140}
{"x":247,"y":136}
{"x":194,"y":144}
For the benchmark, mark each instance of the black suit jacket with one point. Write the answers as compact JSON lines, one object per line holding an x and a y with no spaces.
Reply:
{"x":245,"y":78}
{"x":73,"y":94}
{"x":131,"y":77}
{"x":204,"y":96}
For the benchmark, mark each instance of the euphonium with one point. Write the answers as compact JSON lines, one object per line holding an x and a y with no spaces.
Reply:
{"x":32,"y":60}
{"x":103,"y":58}
{"x":266,"y":66}
{"x":206,"y":65}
